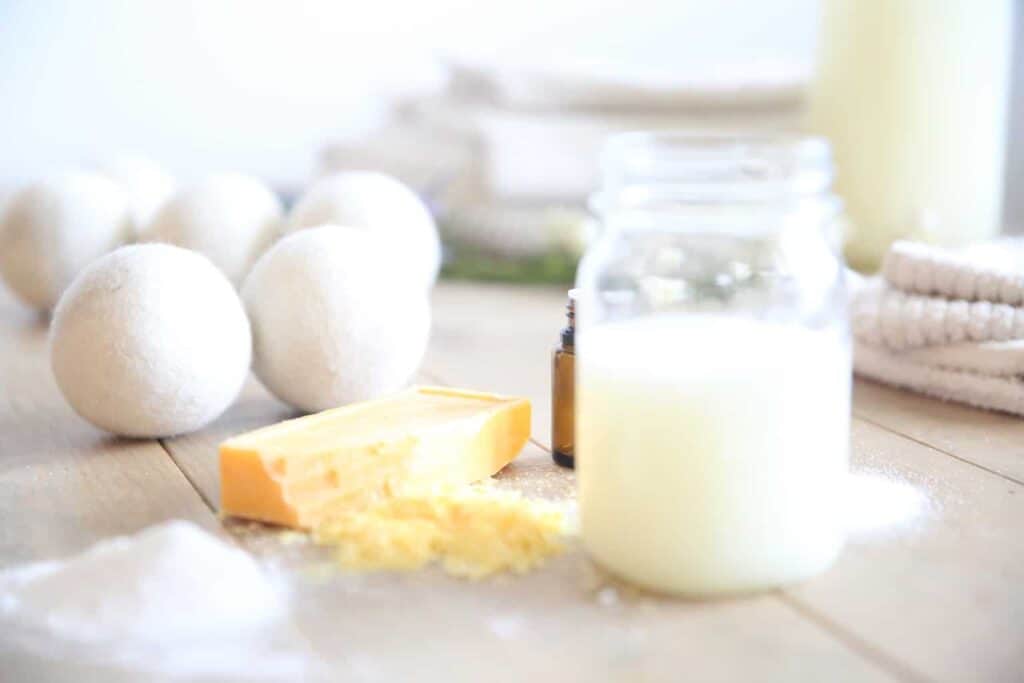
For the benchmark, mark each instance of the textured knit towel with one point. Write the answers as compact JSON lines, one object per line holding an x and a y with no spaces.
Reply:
{"x":886,"y":316}
{"x":992,"y":392}
{"x":999,"y":359}
{"x":924,"y":269}
{"x":912,"y":330}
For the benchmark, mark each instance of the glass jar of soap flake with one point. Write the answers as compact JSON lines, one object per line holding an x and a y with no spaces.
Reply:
{"x":713,"y":364}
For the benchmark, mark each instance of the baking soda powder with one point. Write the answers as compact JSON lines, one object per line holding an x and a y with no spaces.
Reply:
{"x":172,"y":598}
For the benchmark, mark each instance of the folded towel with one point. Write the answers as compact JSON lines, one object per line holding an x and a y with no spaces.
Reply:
{"x":980,"y":390}
{"x":885,"y":316}
{"x":998,"y":359}
{"x":924,"y":269}
{"x":944,"y":324}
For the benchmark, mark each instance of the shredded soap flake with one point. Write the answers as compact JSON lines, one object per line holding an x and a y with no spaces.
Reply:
{"x":472,"y":531}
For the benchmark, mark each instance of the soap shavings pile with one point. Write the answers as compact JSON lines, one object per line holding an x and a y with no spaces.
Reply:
{"x":171,"y":600}
{"x":472,"y":531}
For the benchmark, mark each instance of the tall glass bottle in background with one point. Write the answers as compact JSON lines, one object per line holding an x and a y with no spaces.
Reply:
{"x":912,"y":95}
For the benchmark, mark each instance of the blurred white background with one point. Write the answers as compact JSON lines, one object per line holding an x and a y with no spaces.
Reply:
{"x":259,"y":86}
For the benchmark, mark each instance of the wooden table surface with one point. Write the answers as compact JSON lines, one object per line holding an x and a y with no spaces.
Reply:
{"x":930,"y":586}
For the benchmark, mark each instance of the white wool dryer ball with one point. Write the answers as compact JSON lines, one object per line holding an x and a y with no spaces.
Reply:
{"x":147,"y":184}
{"x":379,"y":203}
{"x":150,"y":341}
{"x":51,"y":230}
{"x":231,"y":218}
{"x":330,"y":326}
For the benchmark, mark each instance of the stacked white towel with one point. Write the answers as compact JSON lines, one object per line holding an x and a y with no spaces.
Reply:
{"x":945,"y":323}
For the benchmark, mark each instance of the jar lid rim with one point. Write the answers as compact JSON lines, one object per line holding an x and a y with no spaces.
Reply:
{"x":720,"y":144}
{"x":715,"y":167}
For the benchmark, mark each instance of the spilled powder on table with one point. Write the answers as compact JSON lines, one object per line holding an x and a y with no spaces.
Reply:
{"x":881,"y":504}
{"x":608,"y":596}
{"x":170,"y":600}
{"x":507,"y":627}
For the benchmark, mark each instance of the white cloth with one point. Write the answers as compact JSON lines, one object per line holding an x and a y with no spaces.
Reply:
{"x":1003,"y":393}
{"x":924,"y":269}
{"x":987,"y":358}
{"x":888,"y":317}
{"x":943,"y":324}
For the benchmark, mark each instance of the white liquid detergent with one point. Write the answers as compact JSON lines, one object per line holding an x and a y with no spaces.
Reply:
{"x":712,"y":451}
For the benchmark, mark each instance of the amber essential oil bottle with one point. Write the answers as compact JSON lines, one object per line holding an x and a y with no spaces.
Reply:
{"x":563,"y":391}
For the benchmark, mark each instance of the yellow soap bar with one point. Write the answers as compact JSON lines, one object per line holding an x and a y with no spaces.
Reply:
{"x":297,"y":472}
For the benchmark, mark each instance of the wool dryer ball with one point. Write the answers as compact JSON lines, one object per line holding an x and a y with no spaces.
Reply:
{"x":150,"y":341}
{"x":231,"y":218}
{"x":381,"y":204}
{"x":51,"y":230}
{"x":330,"y":326}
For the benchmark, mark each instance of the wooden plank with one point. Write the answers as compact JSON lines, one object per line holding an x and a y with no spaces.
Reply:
{"x":566,"y":620}
{"x":976,"y":551}
{"x":196,"y":453}
{"x":500,"y":339}
{"x":939,"y":587}
{"x":991,"y":440}
{"x":63,"y":483}
{"x":946,"y":580}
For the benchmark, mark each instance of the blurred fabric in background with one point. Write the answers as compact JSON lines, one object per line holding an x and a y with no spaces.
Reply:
{"x":493,"y":110}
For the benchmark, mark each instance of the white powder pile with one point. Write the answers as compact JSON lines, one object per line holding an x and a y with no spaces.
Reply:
{"x":172,"y":598}
{"x":879,"y":504}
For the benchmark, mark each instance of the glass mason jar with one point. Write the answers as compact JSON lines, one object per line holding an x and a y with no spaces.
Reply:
{"x":713,"y":364}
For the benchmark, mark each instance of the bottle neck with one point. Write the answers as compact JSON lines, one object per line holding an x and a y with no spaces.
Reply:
{"x":568,"y":337}
{"x":569,"y":331}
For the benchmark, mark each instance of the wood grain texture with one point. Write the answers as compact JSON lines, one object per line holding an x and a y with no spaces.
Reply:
{"x":937,"y":584}
{"x":563,"y":623}
{"x":196,"y":453}
{"x":930,"y":594}
{"x":500,"y":339}
{"x":567,"y":621}
{"x":63,"y":483}
{"x":991,"y":440}
{"x":940,"y":569}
